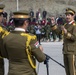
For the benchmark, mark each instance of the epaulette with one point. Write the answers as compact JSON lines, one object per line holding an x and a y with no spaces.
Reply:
{"x":30,"y":36}
{"x":74,"y":24}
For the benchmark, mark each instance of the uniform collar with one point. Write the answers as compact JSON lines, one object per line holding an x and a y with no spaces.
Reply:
{"x":71,"y":22}
{"x":19,"y":29}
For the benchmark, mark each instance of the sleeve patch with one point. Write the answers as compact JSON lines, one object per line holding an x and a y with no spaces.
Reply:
{"x":36,"y":44}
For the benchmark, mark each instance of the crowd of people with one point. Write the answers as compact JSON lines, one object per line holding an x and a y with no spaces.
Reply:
{"x":39,"y":24}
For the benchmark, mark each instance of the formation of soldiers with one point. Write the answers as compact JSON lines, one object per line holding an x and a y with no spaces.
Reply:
{"x":22,"y":48}
{"x":41,"y":22}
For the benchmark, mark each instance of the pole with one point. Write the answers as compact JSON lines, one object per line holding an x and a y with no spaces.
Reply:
{"x":47,"y":61}
{"x":47,"y":67}
{"x":54,"y":60}
{"x":17,"y":5}
{"x":47,"y":64}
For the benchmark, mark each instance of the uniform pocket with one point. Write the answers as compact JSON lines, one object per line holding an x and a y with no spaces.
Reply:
{"x":71,"y":47}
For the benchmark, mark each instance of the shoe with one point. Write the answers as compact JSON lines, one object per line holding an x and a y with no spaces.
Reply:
{"x":54,"y":40}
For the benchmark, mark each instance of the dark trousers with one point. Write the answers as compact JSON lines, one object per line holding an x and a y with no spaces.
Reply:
{"x":70,"y":64}
{"x":1,"y":66}
{"x":38,"y":37}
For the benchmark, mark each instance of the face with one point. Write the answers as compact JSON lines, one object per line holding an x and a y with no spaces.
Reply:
{"x":52,"y":20}
{"x":69,"y":17}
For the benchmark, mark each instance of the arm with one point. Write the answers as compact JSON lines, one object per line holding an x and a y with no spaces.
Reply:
{"x":36,"y":51}
{"x":71,"y":35}
{"x":56,"y":29}
{"x":3,"y":50}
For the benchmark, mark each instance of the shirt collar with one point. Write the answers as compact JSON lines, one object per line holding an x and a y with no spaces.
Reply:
{"x":71,"y":22}
{"x":19,"y":29}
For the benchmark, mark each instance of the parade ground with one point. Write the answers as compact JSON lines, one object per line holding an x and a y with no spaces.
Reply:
{"x":54,"y":50}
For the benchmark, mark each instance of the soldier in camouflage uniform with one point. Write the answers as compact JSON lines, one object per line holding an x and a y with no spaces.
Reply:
{"x":47,"y":32}
{"x":54,"y":35}
{"x":43,"y":33}
{"x":32,"y":29}
{"x":69,"y":42}
{"x":22,"y":49}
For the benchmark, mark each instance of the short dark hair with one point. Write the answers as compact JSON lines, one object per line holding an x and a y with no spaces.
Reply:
{"x":18,"y":21}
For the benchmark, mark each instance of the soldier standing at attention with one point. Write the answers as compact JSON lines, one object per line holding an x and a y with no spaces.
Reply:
{"x":69,"y":42}
{"x":22,"y":49}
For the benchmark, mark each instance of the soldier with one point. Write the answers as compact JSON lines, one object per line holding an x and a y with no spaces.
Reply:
{"x":47,"y":32}
{"x":43,"y":33}
{"x":2,"y":31}
{"x":44,"y":14}
{"x":54,"y":35}
{"x":32,"y":29}
{"x":22,"y":49}
{"x":31,"y":13}
{"x":60,"y":22}
{"x":69,"y":42}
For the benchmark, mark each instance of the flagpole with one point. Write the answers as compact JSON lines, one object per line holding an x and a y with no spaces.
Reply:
{"x":17,"y":5}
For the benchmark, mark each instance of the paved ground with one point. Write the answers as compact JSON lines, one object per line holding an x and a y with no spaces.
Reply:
{"x":54,"y":50}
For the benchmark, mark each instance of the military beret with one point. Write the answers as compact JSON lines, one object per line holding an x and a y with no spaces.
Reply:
{"x":21,"y":14}
{"x":70,"y":11}
{"x":1,"y":7}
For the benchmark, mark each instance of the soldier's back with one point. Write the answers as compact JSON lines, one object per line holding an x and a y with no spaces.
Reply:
{"x":18,"y":60}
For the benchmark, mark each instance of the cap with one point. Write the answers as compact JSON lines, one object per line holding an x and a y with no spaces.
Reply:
{"x":70,"y":11}
{"x":1,"y":7}
{"x":21,"y":14}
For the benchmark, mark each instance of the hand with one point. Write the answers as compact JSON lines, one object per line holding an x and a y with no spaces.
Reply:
{"x":63,"y":29}
{"x":41,"y":48}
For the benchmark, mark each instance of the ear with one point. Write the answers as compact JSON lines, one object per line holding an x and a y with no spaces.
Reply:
{"x":25,"y":24}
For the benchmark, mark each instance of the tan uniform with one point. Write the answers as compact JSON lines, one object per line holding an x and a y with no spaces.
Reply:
{"x":14,"y":46}
{"x":2,"y":32}
{"x":69,"y":48}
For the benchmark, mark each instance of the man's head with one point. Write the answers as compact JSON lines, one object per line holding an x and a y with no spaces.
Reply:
{"x":70,"y":14}
{"x":21,"y":19}
{"x":52,"y":20}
